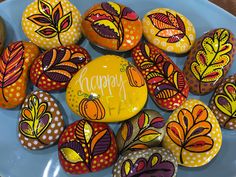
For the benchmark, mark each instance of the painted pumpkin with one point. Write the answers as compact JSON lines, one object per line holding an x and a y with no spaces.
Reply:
{"x":134,"y":76}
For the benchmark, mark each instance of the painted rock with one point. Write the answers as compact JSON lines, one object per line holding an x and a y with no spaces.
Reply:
{"x":193,"y":134}
{"x":41,"y":122}
{"x":156,"y":161}
{"x":14,"y":66}
{"x":50,"y":23}
{"x":87,"y":147}
{"x":112,"y":26}
{"x":209,"y":60}
{"x":108,"y":89}
{"x":54,"y":69}
{"x":223,"y":103}
{"x":2,"y":34}
{"x":169,"y":30}
{"x":144,"y":130}
{"x":167,"y":84}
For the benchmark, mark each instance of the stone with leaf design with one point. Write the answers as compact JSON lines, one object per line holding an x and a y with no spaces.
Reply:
{"x":50,"y":23}
{"x":209,"y":60}
{"x":223,"y":103}
{"x":54,"y":69}
{"x":166,"y":83}
{"x":86,"y":147}
{"x":15,"y":63}
{"x":143,"y":131}
{"x":193,"y":134}
{"x":151,"y":162}
{"x":112,"y":26}
{"x":41,"y":122}
{"x":169,"y":30}
{"x":2,"y":34}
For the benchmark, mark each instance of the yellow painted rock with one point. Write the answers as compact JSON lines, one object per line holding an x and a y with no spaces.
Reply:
{"x":108,"y":89}
{"x":52,"y":23}
{"x":193,"y":134}
{"x":169,"y":30}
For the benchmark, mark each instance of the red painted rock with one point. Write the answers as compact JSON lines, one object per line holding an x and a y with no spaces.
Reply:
{"x":223,"y":103}
{"x":54,"y":69}
{"x":41,"y":122}
{"x":87,"y":147}
{"x":166,"y":82}
{"x":209,"y":60}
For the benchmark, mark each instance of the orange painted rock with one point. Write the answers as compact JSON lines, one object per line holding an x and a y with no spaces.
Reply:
{"x":41,"y":122}
{"x":87,"y":147}
{"x":54,"y":69}
{"x":209,"y":60}
{"x":14,"y":65}
{"x":166,"y":82}
{"x":223,"y":103}
{"x":112,"y":26}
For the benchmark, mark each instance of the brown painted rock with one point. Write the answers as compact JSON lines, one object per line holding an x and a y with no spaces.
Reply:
{"x":209,"y":60}
{"x":144,"y":130}
{"x":2,"y":34}
{"x":41,"y":122}
{"x":87,"y":147}
{"x":14,"y":66}
{"x":151,"y":162}
{"x":54,"y":69}
{"x":166,"y":82}
{"x":223,"y":103}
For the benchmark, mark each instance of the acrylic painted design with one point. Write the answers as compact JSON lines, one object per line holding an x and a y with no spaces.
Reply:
{"x":107,"y":21}
{"x":191,"y":131}
{"x":226,"y":103}
{"x":36,"y":119}
{"x":87,"y":145}
{"x":170,"y":26}
{"x":11,"y":65}
{"x":134,"y":76}
{"x":51,"y":20}
{"x":146,"y":133}
{"x":212,"y":58}
{"x":154,"y":166}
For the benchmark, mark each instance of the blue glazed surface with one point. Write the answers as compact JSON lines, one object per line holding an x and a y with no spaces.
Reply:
{"x":15,"y":161}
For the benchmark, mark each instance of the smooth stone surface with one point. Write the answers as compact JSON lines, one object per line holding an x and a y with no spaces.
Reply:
{"x":193,"y":134}
{"x":2,"y":34}
{"x":41,"y":122}
{"x":209,"y":60}
{"x":108,"y":89}
{"x":169,"y":30}
{"x":54,"y":69}
{"x":52,"y":23}
{"x":156,"y":162}
{"x":144,"y":130}
{"x":223,"y":103}
{"x":112,"y":26}
{"x":15,"y":62}
{"x":86,"y":147}
{"x":166,"y":83}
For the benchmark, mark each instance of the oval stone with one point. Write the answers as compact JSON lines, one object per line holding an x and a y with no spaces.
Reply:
{"x":54,"y":69}
{"x":166,"y":83}
{"x":112,"y":26}
{"x":108,"y":89}
{"x":155,"y":161}
{"x":14,"y":66}
{"x":52,"y":23}
{"x":144,"y":130}
{"x":41,"y":121}
{"x":223,"y":103}
{"x":209,"y":60}
{"x":2,"y":34}
{"x":193,"y":134}
{"x":169,"y":30}
{"x":87,"y":146}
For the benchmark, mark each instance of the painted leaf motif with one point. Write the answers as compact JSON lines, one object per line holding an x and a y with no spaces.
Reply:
{"x":199,"y":144}
{"x":143,"y":120}
{"x":99,"y":14}
{"x":224,"y":104}
{"x":45,"y":8}
{"x":39,"y":19}
{"x":165,"y":91}
{"x":146,"y":64}
{"x":100,"y":142}
{"x":88,"y":131}
{"x":167,"y":33}
{"x":175,"y":132}
{"x":148,"y":135}
{"x":79,"y":131}
{"x":186,"y":120}
{"x":200,"y":113}
{"x":106,"y":29}
{"x":47,"y":31}
{"x":129,"y":14}
{"x":57,"y":13}
{"x":126,"y":167}
{"x":145,"y":50}
{"x":199,"y":129}
{"x":168,"y":69}
{"x":65,"y":23}
{"x":112,"y":8}
{"x":154,"y":77}
{"x":136,"y":147}
{"x":127,"y":131}
{"x":213,"y":57}
{"x":179,"y":80}
{"x":157,"y":122}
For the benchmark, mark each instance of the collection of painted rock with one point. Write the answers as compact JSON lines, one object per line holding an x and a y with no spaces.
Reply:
{"x":87,"y":146}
